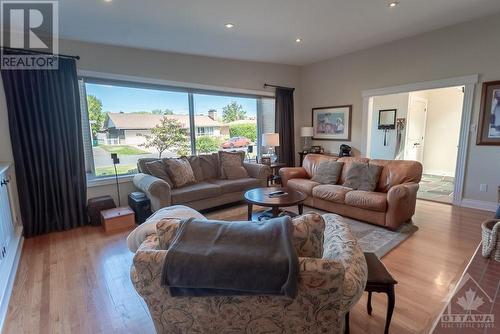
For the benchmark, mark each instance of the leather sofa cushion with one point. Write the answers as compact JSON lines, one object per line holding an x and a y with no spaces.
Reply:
{"x":312,"y":161}
{"x":331,"y":192}
{"x":362,"y":176}
{"x":367,"y":200}
{"x":195,"y":192}
{"x":231,"y":186}
{"x":396,"y":172}
{"x":303,"y":185}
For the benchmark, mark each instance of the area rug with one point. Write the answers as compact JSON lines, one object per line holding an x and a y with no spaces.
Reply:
{"x":371,"y":238}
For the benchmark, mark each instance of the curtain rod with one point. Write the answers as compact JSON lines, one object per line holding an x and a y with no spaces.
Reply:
{"x":275,"y":86}
{"x":39,"y":53}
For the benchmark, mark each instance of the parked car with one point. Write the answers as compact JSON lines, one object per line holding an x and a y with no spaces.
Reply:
{"x":236,"y":142}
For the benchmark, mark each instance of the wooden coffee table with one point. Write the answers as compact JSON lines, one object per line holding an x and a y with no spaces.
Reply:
{"x":260,"y":196}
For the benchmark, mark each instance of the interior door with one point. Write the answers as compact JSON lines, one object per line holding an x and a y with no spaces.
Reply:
{"x":415,"y":136}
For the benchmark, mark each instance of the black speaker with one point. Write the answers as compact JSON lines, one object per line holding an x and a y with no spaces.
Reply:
{"x":250,"y":149}
{"x":114,"y":156}
{"x":141,"y":206}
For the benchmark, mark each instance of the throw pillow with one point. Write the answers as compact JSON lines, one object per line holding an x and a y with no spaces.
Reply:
{"x":194,"y":161}
{"x":180,"y":171}
{"x":328,"y":172}
{"x":209,"y":164}
{"x":158,"y":169}
{"x":362,"y":176}
{"x":232,"y":162}
{"x":308,"y":235}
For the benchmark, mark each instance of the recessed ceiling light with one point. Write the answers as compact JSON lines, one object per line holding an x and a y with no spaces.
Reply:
{"x":298,"y":40}
{"x":108,"y":0}
{"x":393,"y":4}
{"x":229,"y":25}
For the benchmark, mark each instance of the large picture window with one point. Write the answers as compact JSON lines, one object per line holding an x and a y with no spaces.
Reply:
{"x":145,"y":121}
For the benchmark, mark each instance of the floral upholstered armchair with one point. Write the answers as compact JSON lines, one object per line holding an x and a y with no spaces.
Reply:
{"x":332,"y":278}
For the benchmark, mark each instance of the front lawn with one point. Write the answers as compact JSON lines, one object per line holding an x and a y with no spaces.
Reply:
{"x":123,"y":149}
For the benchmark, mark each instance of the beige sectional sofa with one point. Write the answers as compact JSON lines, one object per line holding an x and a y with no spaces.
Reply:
{"x":210,"y":190}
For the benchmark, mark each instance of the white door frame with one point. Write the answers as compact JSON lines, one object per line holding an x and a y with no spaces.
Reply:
{"x":469,"y":82}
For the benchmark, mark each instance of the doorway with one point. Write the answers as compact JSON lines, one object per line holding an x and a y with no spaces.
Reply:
{"x":426,"y":129}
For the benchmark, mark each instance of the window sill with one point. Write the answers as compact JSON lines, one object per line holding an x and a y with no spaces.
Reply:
{"x":107,"y":180}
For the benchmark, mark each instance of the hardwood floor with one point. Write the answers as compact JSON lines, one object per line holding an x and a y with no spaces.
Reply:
{"x":78,"y":281}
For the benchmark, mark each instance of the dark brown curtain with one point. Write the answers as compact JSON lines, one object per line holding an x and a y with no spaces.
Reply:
{"x":285,"y":125}
{"x":46,"y":134}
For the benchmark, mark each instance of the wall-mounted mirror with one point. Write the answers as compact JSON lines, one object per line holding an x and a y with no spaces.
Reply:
{"x":387,"y":119}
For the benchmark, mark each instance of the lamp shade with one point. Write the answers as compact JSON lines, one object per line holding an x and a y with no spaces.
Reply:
{"x":270,"y":139}
{"x":306,"y":131}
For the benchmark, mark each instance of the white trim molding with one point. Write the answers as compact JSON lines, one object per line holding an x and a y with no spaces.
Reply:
{"x":480,"y":205}
{"x":174,"y":84}
{"x":469,"y":82}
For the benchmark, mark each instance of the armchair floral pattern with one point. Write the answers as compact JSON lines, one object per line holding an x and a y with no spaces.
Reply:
{"x":328,"y":287}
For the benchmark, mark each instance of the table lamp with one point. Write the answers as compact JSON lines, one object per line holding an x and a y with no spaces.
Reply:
{"x":307,"y":133}
{"x":271,"y":140}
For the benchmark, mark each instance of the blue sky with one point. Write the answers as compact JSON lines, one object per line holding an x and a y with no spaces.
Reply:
{"x":126,"y":99}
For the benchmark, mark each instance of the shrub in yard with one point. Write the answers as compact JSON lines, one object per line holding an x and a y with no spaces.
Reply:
{"x":244,"y":130}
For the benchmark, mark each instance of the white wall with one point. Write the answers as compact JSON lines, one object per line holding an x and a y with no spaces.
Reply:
{"x":377,"y":148}
{"x":459,"y":50}
{"x":171,"y":67}
{"x":444,"y":112}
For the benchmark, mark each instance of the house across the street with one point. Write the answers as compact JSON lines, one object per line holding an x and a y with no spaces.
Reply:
{"x":129,"y":128}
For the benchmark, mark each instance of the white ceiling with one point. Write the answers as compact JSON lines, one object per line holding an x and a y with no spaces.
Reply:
{"x":265,"y":30}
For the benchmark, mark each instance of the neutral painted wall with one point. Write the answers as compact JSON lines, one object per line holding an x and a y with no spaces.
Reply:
{"x":459,"y":50}
{"x":442,"y":131}
{"x":377,"y":148}
{"x":170,"y":67}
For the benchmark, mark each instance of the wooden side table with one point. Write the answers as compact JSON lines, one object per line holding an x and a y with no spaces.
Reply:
{"x":118,"y":219}
{"x":274,"y":178}
{"x":379,"y":280}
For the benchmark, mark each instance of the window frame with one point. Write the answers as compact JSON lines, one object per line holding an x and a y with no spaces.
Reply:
{"x":162,"y":85}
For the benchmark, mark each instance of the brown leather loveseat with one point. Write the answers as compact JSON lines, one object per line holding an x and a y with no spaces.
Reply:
{"x":390,"y":205}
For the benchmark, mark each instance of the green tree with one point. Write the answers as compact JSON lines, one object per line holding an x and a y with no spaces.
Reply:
{"x":168,"y":135}
{"x":244,"y":130}
{"x":233,"y":112}
{"x":207,"y":144}
{"x":96,"y":116}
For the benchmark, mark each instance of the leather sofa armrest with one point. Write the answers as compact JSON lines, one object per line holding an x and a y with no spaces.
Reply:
{"x":257,"y":171}
{"x":157,"y":190}
{"x":288,"y":173}
{"x":401,"y":202}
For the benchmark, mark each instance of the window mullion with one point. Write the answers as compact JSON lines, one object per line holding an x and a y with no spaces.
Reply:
{"x":192,"y":127}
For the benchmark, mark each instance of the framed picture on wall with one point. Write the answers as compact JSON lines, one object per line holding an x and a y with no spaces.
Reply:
{"x":489,"y":116}
{"x":332,"y":123}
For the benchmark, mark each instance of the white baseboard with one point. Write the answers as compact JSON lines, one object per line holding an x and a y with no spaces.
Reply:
{"x":481,"y":205}
{"x":13,"y":259}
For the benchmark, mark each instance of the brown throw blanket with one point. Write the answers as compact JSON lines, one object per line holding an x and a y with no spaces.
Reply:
{"x":213,"y":258}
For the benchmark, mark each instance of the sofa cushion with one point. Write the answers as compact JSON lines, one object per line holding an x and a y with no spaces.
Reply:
{"x":141,"y":164}
{"x":180,"y":171}
{"x":231,"y":165}
{"x":157,"y":168}
{"x":195,"y":192}
{"x":362,"y":176}
{"x":303,"y":185}
{"x":210,"y":166}
{"x":194,"y":161}
{"x":348,"y":161}
{"x":367,"y":200}
{"x":308,"y":235}
{"x":328,"y":172}
{"x":331,"y":192}
{"x":397,"y":172}
{"x":230,"y":186}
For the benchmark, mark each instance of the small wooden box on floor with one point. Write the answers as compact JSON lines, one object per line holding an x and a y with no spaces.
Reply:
{"x":118,"y":219}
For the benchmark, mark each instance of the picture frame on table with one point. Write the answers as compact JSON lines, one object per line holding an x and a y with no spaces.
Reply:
{"x":488,"y":132}
{"x":332,"y":123}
